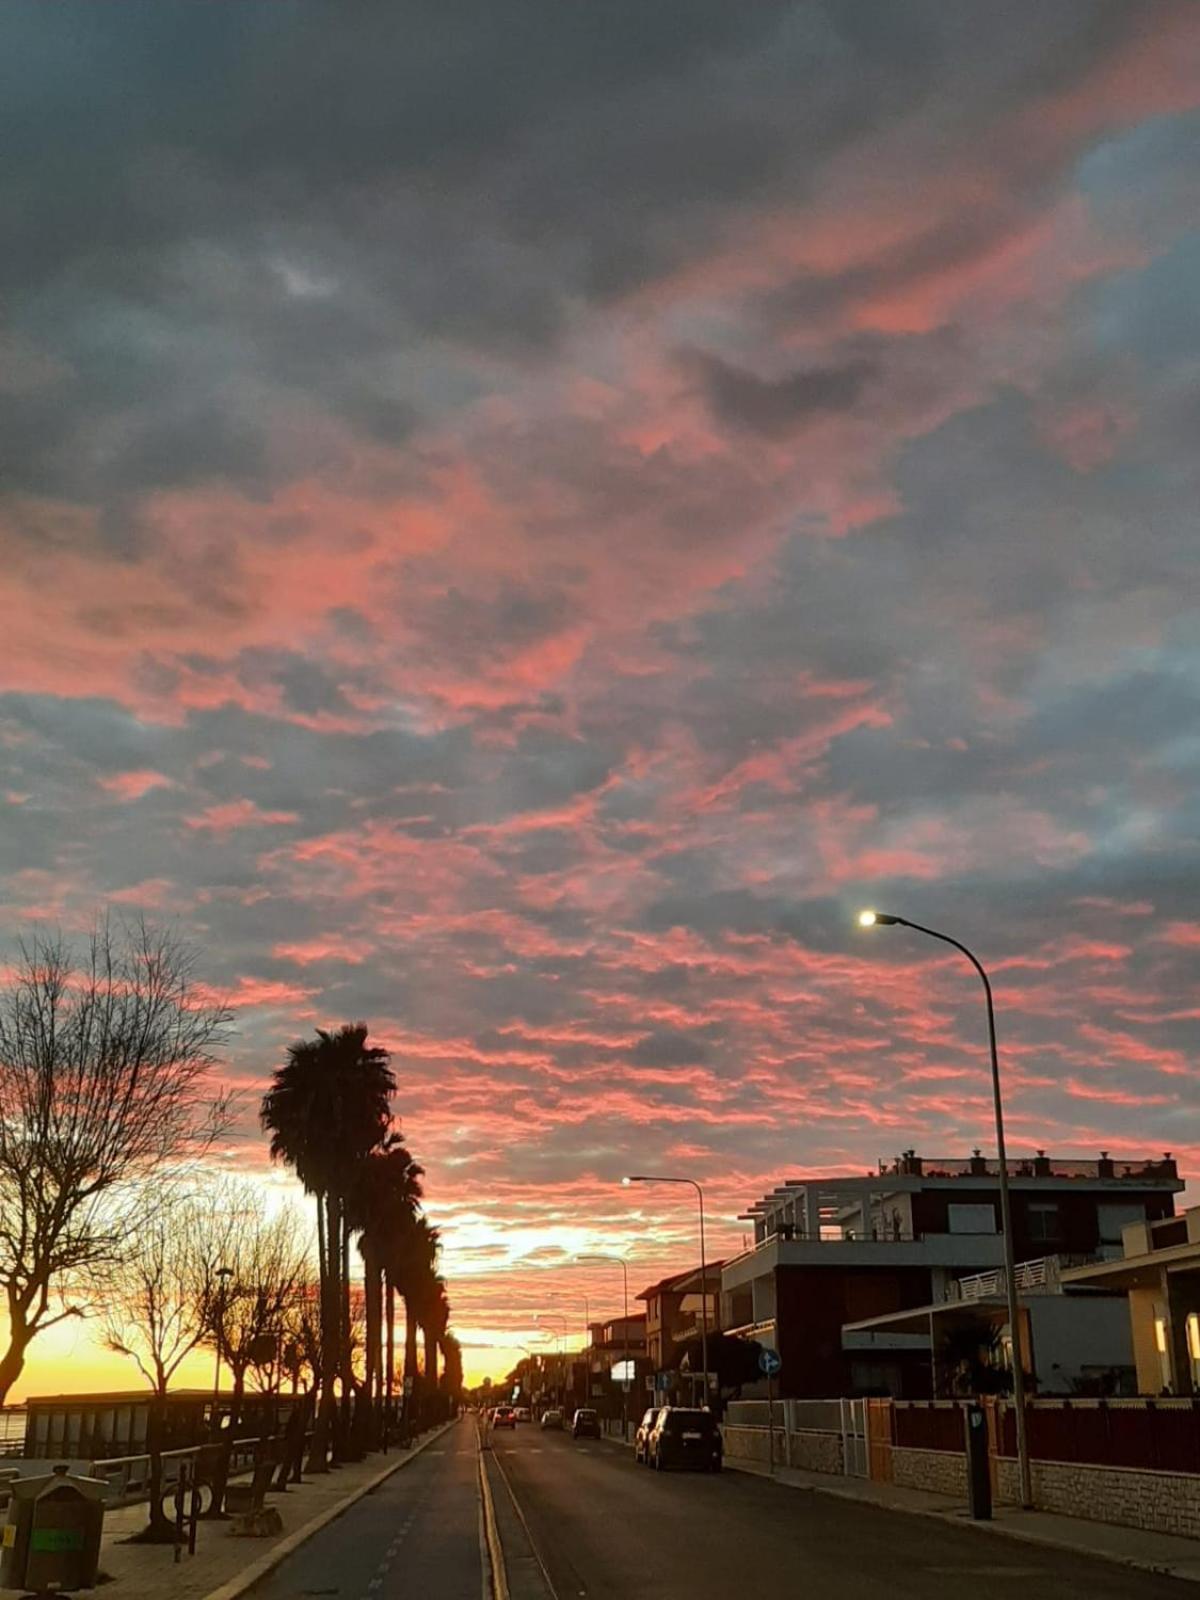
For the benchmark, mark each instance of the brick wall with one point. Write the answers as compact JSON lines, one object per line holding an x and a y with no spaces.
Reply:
{"x":942,"y":1471}
{"x":1160,"y":1502}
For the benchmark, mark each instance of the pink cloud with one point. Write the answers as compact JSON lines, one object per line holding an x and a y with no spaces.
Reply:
{"x":133,"y":785}
{"x":234,"y":814}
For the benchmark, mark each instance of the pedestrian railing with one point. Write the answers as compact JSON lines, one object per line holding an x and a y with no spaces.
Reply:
{"x":128,"y":1477}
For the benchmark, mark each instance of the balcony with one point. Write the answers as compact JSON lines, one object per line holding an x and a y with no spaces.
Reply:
{"x":952,"y":1250}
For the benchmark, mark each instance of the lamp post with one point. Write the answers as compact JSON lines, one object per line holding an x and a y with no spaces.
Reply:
{"x":641,"y":1177}
{"x":625,"y":1285}
{"x":561,"y":1336}
{"x":871,"y":919}
{"x":223,"y":1275}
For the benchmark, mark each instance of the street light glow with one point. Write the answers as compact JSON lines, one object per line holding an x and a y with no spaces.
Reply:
{"x":866,"y":919}
{"x":877,"y":919}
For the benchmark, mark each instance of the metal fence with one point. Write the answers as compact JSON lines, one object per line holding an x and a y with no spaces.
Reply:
{"x":128,"y":1477}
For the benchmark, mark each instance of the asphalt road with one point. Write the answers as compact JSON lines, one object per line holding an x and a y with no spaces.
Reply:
{"x":417,"y":1534}
{"x":607,"y":1529}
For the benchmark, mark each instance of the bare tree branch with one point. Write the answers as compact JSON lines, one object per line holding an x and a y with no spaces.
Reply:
{"x":105,"y":1071}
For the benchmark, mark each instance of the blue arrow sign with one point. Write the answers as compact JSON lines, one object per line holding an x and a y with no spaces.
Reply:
{"x":769,"y":1362}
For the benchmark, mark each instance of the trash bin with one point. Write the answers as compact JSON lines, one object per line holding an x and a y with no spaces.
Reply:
{"x":52,"y":1536}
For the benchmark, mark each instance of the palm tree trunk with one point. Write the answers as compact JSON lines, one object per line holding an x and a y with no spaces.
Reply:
{"x":389,"y":1377}
{"x":410,"y":1360}
{"x":431,"y":1361}
{"x":319,"y":1450}
{"x":333,"y":1360}
{"x":347,"y":1350}
{"x":372,"y":1292}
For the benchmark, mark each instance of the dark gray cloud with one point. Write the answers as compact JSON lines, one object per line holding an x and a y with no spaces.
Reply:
{"x":777,"y":405}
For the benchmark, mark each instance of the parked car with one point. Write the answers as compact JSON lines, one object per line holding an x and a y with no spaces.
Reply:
{"x":585,"y":1424}
{"x":683,"y":1437}
{"x":524,"y":1414}
{"x":552,"y":1419}
{"x":504,"y":1417}
{"x":640,"y":1438}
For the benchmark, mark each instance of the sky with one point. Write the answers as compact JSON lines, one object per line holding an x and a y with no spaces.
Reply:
{"x":517,"y":521}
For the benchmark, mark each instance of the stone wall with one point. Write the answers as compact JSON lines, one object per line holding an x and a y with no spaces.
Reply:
{"x":751,"y":1444}
{"x":1160,"y":1502}
{"x":941,"y":1471}
{"x":816,"y":1452}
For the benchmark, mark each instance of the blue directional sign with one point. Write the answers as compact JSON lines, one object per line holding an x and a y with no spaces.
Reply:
{"x":769,"y":1362}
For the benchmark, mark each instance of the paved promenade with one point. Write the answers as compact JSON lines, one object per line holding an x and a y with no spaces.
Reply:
{"x":148,"y":1572}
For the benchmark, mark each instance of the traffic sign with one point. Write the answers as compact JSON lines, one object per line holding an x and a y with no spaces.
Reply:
{"x":769,"y":1362}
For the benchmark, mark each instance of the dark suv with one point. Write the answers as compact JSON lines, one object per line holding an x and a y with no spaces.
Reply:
{"x":682,"y":1437}
{"x":585,"y":1424}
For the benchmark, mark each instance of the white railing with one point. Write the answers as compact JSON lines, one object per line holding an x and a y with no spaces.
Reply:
{"x":1041,"y":1273}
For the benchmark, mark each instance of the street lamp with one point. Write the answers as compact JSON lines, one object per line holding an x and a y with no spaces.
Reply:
{"x":872,"y":919}
{"x":560,"y":1336}
{"x":223,"y":1275}
{"x":641,"y":1177}
{"x":625,"y":1386}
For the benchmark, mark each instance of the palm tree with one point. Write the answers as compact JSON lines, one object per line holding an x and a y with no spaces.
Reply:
{"x":385,"y":1198}
{"x":435,"y":1318}
{"x":413,"y":1262}
{"x":326,"y":1108}
{"x":452,"y":1371}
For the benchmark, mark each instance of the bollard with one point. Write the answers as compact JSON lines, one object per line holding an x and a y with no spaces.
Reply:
{"x":979,"y":1482}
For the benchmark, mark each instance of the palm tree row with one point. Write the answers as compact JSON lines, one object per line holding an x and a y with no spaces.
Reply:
{"x":328,"y":1112}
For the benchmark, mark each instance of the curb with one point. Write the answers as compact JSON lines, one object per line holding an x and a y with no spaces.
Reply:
{"x":954,"y":1519}
{"x":257,"y":1570}
{"x":497,"y":1574}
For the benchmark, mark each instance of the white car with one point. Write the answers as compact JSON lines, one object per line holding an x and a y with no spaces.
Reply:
{"x":524,"y":1414}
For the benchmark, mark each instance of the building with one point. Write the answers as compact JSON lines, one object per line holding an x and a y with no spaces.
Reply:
{"x":1159,"y":1272}
{"x":838,"y":1251}
{"x":1073,"y":1341}
{"x":612,"y":1341}
{"x":92,"y":1427}
{"x":677,"y":1308}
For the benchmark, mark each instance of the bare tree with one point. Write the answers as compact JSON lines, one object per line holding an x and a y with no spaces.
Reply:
{"x":269,"y":1264}
{"x":159,"y":1304}
{"x":104,"y":1077}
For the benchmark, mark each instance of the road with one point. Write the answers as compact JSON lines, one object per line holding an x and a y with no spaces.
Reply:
{"x":418,"y":1534}
{"x":606,"y":1529}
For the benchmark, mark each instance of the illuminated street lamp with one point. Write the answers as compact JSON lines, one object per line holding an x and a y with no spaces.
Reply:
{"x":625,"y":1387}
{"x":639,"y":1177}
{"x":873,"y":919}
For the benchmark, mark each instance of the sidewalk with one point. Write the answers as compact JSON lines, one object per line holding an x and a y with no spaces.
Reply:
{"x":1131,"y":1547}
{"x":223,"y":1565}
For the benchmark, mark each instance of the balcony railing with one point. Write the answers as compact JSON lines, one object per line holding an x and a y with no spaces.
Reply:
{"x":1041,"y":1273}
{"x":1135,"y":1168}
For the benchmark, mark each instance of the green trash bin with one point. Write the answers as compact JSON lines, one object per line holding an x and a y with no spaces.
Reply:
{"x":52,"y":1536}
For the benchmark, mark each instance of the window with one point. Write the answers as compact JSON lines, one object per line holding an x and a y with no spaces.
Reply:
{"x":1042,"y":1218}
{"x":1111,"y":1219}
{"x":972,"y":1218}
